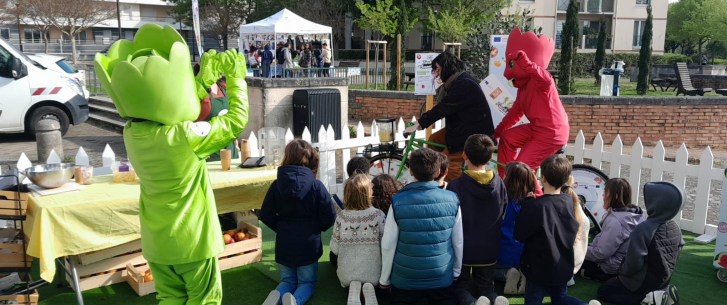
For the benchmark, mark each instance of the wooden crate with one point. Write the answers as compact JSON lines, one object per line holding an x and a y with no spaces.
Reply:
{"x":97,"y":256}
{"x":9,"y":205}
{"x":14,"y":259}
{"x":106,"y":272}
{"x":136,"y":281}
{"x":24,"y":299}
{"x":243,"y":252}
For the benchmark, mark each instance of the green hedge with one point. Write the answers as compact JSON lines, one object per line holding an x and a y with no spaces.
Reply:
{"x":584,"y":63}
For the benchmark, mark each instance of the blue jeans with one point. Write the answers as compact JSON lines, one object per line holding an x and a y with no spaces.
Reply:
{"x":534,"y":295}
{"x":300,"y":281}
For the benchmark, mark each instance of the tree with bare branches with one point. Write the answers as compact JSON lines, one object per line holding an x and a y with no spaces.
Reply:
{"x":72,"y":16}
{"x":218,"y":18}
{"x":38,"y":16}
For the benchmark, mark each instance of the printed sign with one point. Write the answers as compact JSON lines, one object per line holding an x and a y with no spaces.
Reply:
{"x":500,"y":92}
{"x":424,"y":83}
{"x":195,"y":20}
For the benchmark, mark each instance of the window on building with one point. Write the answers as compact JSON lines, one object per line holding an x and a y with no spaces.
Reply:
{"x":80,"y":37}
{"x":427,"y":38}
{"x":643,"y":2}
{"x":638,"y":32}
{"x":5,"y":33}
{"x":527,"y":1}
{"x":33,"y":35}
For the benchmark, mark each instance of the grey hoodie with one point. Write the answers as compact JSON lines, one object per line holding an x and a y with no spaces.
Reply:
{"x":609,"y":247}
{"x":656,"y":242}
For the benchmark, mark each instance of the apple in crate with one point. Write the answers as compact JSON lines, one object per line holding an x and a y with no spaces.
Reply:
{"x":228,"y":239}
{"x":240,"y":236}
{"x":148,"y":277}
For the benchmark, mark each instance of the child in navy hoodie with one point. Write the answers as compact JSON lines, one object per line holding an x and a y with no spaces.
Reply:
{"x":298,"y":208}
{"x":483,"y":199}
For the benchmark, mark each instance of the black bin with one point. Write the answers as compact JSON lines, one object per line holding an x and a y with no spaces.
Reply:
{"x":315,"y":107}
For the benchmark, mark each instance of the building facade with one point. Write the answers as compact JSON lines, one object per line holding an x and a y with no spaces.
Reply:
{"x":625,"y":20}
{"x":133,"y":14}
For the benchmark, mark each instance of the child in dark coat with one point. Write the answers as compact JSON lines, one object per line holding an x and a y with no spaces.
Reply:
{"x":483,"y":198}
{"x":298,"y":208}
{"x":654,"y":247}
{"x":548,"y":226}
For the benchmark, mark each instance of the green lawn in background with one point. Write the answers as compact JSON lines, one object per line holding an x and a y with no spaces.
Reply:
{"x":694,"y":277}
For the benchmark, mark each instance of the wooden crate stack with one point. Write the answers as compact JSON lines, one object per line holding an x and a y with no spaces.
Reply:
{"x":13,"y":207}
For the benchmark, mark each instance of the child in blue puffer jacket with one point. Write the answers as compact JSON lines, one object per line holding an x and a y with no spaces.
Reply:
{"x":520,"y":184}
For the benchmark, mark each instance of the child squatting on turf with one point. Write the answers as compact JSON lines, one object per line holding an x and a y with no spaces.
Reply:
{"x":423,"y":240}
{"x":298,"y":208}
{"x":483,"y":199}
{"x":356,"y":240}
{"x":548,"y":226}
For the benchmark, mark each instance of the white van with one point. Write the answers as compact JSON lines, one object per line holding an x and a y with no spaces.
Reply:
{"x":30,"y":92}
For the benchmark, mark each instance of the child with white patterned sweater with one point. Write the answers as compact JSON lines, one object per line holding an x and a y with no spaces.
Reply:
{"x":356,"y":240}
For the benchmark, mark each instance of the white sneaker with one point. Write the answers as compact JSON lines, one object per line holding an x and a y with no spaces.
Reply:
{"x":571,"y":282}
{"x":483,"y":301}
{"x":594,"y":302}
{"x":511,"y":278}
{"x":288,"y":299}
{"x":654,"y":298}
{"x":273,"y":298}
{"x":521,"y":287}
{"x":503,"y":301}
{"x":354,"y":293}
{"x":370,"y":294}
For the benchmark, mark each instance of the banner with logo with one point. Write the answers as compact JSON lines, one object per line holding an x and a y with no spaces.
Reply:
{"x":424,"y":83}
{"x":500,"y":92}
{"x":195,"y":20}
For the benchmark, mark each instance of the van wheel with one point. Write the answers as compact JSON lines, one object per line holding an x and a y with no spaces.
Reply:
{"x":47,"y":112}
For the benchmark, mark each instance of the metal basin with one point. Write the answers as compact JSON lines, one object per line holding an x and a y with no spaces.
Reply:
{"x":50,"y":175}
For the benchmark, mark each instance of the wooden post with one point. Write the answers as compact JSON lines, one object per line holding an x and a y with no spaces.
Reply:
{"x":430,"y":104}
{"x":398,"y":62}
{"x":367,"y":64}
{"x":384,"y":81}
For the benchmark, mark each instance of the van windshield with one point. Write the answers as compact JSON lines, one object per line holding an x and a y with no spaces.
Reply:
{"x":12,"y":47}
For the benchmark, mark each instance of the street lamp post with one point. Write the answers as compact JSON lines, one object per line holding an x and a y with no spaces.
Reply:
{"x":118,"y":17}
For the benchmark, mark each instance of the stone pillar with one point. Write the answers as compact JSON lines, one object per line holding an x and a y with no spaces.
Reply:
{"x":48,"y":138}
{"x":348,"y":29}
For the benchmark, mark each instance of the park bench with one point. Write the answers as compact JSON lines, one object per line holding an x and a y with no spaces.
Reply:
{"x":684,"y":81}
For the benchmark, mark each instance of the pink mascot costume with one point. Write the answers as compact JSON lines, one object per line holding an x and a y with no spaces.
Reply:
{"x":537,"y":98}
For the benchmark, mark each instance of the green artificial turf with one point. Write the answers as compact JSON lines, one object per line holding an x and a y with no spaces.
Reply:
{"x":694,"y":277}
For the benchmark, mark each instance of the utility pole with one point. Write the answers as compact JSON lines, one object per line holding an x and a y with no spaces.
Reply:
{"x":20,"y":33}
{"x":118,"y":17}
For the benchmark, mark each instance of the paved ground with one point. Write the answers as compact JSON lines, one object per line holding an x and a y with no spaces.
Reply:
{"x":91,"y":138}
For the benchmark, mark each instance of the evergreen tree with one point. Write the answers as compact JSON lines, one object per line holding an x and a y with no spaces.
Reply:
{"x":642,"y":87}
{"x":569,"y":45}
{"x":600,"y":49}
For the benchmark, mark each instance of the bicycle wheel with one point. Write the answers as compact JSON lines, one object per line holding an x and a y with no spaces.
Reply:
{"x":590,"y":184}
{"x":388,"y":164}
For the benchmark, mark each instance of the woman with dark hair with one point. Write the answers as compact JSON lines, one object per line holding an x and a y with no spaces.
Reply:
{"x":462,"y":103}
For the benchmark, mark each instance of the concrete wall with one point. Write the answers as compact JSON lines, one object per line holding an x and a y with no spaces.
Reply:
{"x":673,"y":120}
{"x":271,"y":100}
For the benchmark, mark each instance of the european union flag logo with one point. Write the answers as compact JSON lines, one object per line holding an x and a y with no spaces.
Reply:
{"x":497,"y":39}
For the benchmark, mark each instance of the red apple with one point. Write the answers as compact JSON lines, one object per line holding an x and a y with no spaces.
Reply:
{"x":240,"y":236}
{"x":228,"y":239}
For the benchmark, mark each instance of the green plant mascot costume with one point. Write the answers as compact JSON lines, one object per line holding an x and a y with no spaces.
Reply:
{"x":151,"y":83}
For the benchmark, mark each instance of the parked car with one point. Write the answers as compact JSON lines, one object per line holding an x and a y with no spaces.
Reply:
{"x":60,"y":65}
{"x":29,"y":92}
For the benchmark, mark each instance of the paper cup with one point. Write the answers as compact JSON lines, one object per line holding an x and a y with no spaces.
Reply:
{"x":244,"y":150}
{"x":226,"y":159}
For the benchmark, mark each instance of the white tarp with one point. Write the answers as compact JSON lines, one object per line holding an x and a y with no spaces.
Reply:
{"x":284,"y":21}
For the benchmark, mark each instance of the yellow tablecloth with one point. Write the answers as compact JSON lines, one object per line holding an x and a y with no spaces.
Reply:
{"x":106,"y":214}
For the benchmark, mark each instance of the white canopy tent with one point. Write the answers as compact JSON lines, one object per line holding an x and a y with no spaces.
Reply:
{"x":280,"y":26}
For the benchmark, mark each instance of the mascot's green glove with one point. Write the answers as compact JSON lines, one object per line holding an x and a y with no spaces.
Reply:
{"x":209,"y":73}
{"x":233,"y":64}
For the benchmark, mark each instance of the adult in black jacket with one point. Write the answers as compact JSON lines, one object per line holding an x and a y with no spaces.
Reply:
{"x":462,"y":103}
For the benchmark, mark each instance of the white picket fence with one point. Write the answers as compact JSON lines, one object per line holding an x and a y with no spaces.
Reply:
{"x":327,"y":146}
